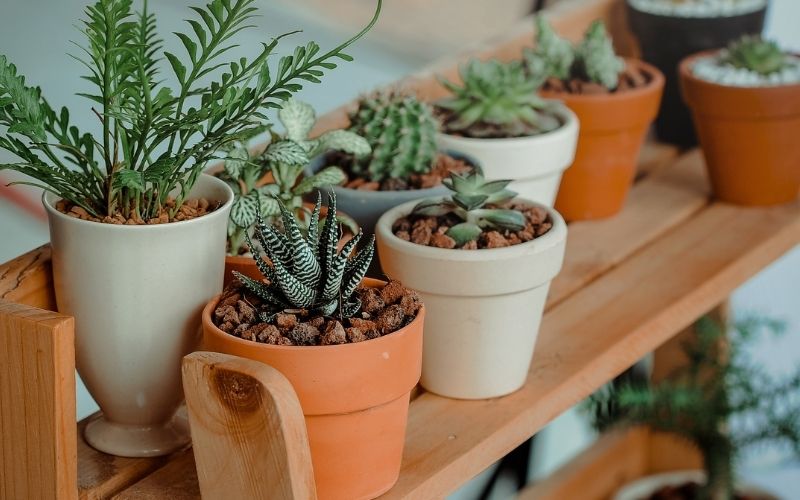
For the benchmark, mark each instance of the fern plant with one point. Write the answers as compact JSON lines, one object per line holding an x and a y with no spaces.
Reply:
{"x":306,"y":271}
{"x":701,"y":401}
{"x":471,"y":194}
{"x":155,"y":139}
{"x":285,"y":158}
{"x":593,"y":59}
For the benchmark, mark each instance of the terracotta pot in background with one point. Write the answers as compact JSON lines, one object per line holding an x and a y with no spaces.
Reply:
{"x":355,"y":399}
{"x":646,"y":486}
{"x":750,"y":137}
{"x":484,"y":306}
{"x":665,"y":40}
{"x":613,"y":129}
{"x":535,"y":163}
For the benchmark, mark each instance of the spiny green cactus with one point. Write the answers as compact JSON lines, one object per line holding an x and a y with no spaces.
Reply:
{"x":285,"y":157}
{"x":755,"y":54}
{"x":593,"y":59}
{"x":306,"y":271}
{"x":471,"y":194}
{"x":401,"y":131}
{"x":497,"y":99}
{"x":596,"y":56}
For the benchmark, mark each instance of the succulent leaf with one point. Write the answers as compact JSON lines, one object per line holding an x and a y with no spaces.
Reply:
{"x":755,"y":54}
{"x":464,"y":232}
{"x":596,"y":55}
{"x":553,"y":55}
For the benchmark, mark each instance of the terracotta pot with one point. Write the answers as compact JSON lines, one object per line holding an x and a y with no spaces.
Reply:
{"x":647,"y":485}
{"x":484,"y":306}
{"x":665,"y":40}
{"x":749,"y":137}
{"x":247,"y":266}
{"x":354,"y":397}
{"x":535,"y":163}
{"x":613,"y":129}
{"x":136,"y":293}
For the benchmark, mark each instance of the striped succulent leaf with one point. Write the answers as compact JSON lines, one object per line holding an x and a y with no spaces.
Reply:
{"x":307,"y":272}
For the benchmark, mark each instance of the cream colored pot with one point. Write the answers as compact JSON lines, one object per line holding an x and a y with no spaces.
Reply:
{"x":136,"y":293}
{"x":646,"y":486}
{"x":483,"y":306}
{"x":535,"y":163}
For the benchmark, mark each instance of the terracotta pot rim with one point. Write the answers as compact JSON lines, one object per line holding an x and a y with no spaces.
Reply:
{"x":654,"y":85}
{"x":571,"y":123}
{"x":550,"y":238}
{"x":49,"y":199}
{"x":685,"y":69}
{"x":371,"y":282}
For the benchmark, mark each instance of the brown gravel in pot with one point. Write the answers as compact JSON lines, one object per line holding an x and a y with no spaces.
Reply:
{"x":190,"y":209}
{"x":441,"y":168}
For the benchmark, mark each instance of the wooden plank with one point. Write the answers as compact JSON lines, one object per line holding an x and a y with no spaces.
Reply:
{"x":593,"y":336}
{"x":37,"y":404}
{"x":668,"y":452}
{"x":175,"y":481}
{"x":611,"y":461}
{"x":248,"y":429}
{"x":28,"y":279}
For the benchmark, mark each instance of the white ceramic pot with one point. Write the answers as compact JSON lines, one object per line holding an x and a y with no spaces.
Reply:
{"x":136,"y":293}
{"x":646,"y":486}
{"x":483,"y":306}
{"x":535,"y":163}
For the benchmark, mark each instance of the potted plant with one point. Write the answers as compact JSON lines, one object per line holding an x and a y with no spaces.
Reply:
{"x":719,"y":401}
{"x":496,"y":117}
{"x":670,"y":30}
{"x":745,"y":101}
{"x":350,"y":346}
{"x":283,"y":162}
{"x":482,"y":262}
{"x":615,"y":100}
{"x":404,"y":163}
{"x":137,"y":231}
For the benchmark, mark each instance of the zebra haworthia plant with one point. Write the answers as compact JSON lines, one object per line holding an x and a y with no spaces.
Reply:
{"x":307,"y":272}
{"x":285,"y":158}
{"x":471,"y":194}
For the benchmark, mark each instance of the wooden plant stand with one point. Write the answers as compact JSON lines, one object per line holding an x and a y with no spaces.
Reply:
{"x":629,"y":284}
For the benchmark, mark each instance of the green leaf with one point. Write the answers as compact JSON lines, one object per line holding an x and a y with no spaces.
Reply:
{"x":342,"y":140}
{"x":177,"y":66}
{"x":286,"y":152}
{"x":326,"y":177}
{"x":236,"y":161}
{"x":464,"y":233}
{"x":434,"y":208}
{"x":245,"y":209}
{"x":298,"y":118}
{"x":469,"y":201}
{"x":268,"y":204}
{"x":128,"y":179}
{"x":504,"y":219}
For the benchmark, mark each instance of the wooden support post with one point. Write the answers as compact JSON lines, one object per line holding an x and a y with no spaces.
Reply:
{"x":248,"y":430}
{"x":38,"y":457}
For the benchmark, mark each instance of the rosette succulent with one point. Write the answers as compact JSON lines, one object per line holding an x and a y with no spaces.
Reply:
{"x":497,"y":99}
{"x":753,"y":53}
{"x":400,"y":129}
{"x":306,"y":271}
{"x":471,"y":195}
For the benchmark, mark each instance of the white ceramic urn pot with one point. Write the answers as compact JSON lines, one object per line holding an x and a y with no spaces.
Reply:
{"x":136,"y":293}
{"x":483,"y":306}
{"x":535,"y":163}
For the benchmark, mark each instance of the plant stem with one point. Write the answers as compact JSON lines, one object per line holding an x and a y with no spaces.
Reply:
{"x":718,"y":463}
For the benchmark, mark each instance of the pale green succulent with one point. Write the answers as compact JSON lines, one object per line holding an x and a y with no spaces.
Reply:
{"x":401,"y":130}
{"x":471,"y":194}
{"x":286,"y":157}
{"x":593,"y":59}
{"x":755,"y":54}
{"x":305,"y":271}
{"x":497,"y":99}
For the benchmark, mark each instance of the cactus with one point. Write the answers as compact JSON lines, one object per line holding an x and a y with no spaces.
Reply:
{"x":753,"y":53}
{"x":306,"y":271}
{"x":401,"y":131}
{"x":471,"y":194}
{"x":593,"y":59}
{"x":595,"y":55}
{"x":497,"y":100}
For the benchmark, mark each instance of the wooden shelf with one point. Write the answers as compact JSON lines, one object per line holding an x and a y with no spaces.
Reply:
{"x":629,"y":283}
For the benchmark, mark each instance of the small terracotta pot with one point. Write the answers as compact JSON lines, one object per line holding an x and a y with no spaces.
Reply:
{"x":613,"y":129}
{"x":749,"y":136}
{"x":354,"y":397}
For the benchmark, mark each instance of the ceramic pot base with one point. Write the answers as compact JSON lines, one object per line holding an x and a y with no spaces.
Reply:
{"x":135,"y":441}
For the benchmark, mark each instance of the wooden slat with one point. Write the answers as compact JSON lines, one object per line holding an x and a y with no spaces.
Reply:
{"x":175,"y":481}
{"x":593,"y":336}
{"x":248,"y":430}
{"x":614,"y":459}
{"x":37,"y":404}
{"x":28,"y":279}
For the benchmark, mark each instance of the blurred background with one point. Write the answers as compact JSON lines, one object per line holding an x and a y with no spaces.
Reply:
{"x":410,"y":34}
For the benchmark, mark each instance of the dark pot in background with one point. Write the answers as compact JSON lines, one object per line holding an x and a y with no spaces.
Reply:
{"x":665,"y":40}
